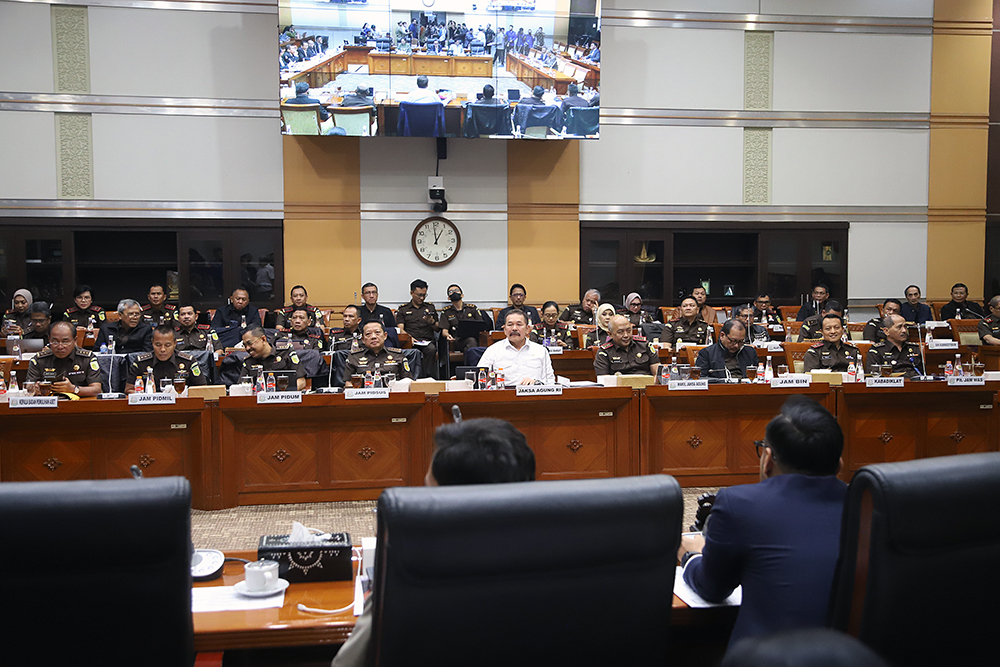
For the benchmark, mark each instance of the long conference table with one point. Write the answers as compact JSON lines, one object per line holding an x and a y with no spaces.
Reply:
{"x":329,"y":448}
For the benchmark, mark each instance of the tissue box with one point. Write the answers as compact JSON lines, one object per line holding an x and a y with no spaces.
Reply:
{"x":428,"y":386}
{"x":305,"y":562}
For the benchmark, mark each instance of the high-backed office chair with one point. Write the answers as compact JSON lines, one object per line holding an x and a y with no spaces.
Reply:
{"x":788,"y":313}
{"x":97,"y":572}
{"x":356,"y":121}
{"x":526,"y":574}
{"x":795,"y":355}
{"x":667,"y":313}
{"x":418,"y":119}
{"x":856,"y":330}
{"x":917,"y":578}
{"x":535,"y":120}
{"x":301,"y":118}
{"x":583,"y":121}
{"x":483,"y":120}
{"x":113,"y":368}
{"x":966,"y":332}
{"x":936,"y":307}
{"x":477,"y":47}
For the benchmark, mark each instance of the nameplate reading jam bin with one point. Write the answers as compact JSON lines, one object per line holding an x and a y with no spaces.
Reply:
{"x":943,"y":344}
{"x":687,"y":385}
{"x":366,"y":393}
{"x":33,"y":402}
{"x":790,"y":382}
{"x":538,"y":390}
{"x":967,"y":380}
{"x":152,"y":399}
{"x":279,"y":397}
{"x":884,"y":382}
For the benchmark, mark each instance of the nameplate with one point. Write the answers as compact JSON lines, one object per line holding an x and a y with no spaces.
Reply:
{"x":33,"y":401}
{"x":934,"y":324}
{"x":538,"y":390}
{"x":967,"y":380}
{"x":687,"y":385}
{"x":790,"y":382}
{"x":776,"y":328}
{"x":555,"y":349}
{"x":279,"y":397}
{"x":366,"y":393}
{"x":942,"y":344}
{"x":152,"y":399}
{"x":884,"y":382}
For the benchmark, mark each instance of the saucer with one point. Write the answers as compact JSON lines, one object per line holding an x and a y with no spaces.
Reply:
{"x":241,"y":588}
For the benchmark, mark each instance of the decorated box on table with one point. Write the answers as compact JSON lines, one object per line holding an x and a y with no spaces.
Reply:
{"x":328,"y":559}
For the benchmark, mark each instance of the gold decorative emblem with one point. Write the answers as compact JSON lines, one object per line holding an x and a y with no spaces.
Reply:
{"x":180,"y":366}
{"x":694,"y":441}
{"x":366,"y":452}
{"x":574,"y":445}
{"x":146,"y":460}
{"x":885,"y":437}
{"x":52,"y":463}
{"x":281,"y":455}
{"x":76,"y":367}
{"x":645,"y":257}
{"x":277,"y":359}
{"x":957,"y":436}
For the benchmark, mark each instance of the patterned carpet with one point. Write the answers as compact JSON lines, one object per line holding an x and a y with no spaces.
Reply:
{"x":241,"y":527}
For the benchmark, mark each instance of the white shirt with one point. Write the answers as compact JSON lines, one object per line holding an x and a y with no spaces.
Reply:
{"x":531,"y":361}
{"x":422,"y":95}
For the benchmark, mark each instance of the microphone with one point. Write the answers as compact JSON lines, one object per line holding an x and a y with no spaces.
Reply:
{"x":136,"y":472}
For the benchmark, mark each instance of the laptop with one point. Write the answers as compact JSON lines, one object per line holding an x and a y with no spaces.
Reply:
{"x":514,"y":94}
{"x":470,"y":329}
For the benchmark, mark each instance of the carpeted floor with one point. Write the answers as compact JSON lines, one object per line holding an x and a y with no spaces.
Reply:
{"x":241,"y":527}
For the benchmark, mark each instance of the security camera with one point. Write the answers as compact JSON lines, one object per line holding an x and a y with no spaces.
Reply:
{"x":435,"y":194}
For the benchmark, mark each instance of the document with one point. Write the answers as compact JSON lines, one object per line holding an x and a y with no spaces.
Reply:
{"x":692,"y":599}
{"x":225,"y":598}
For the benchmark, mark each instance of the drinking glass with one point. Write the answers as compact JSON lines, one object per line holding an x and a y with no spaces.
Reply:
{"x":751,"y":373}
{"x":886,"y":370}
{"x":45,"y":387}
{"x":695,"y":373}
{"x":470,"y":379}
{"x":685,"y":371}
{"x":164,"y":383}
{"x":979,"y":369}
{"x":281,"y":383}
{"x":180,"y":382}
{"x":782,"y":370}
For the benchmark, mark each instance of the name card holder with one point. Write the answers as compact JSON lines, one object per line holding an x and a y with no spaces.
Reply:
{"x":538,"y":390}
{"x":366,"y":393}
{"x":555,"y":349}
{"x":967,"y":381}
{"x":33,"y":402}
{"x":266,"y":397}
{"x":152,"y":399}
{"x":687,"y":385}
{"x":884,"y":382}
{"x":791,"y":381}
{"x":942,"y":344}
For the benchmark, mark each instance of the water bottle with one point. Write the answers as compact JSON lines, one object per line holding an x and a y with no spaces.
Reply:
{"x":675,"y":372}
{"x":760,"y":373}
{"x":14,"y":346}
{"x":104,"y":348}
{"x":377,"y":379}
{"x":500,"y":379}
{"x":852,"y":372}
{"x":259,"y":387}
{"x":769,"y":371}
{"x":13,"y":382}
{"x":860,"y":372}
{"x":949,"y":369}
{"x":111,"y":344}
{"x":3,"y":385}
{"x":958,"y":365}
{"x":139,"y":387}
{"x":482,"y":378}
{"x":270,"y":382}
{"x":210,"y":348}
{"x":150,"y":382}
{"x":243,"y":321}
{"x":369,"y":380}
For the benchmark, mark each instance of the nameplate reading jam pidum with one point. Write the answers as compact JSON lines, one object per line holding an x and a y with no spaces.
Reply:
{"x":152,"y":399}
{"x":884,"y":382}
{"x":943,"y":344}
{"x":967,"y":381}
{"x":539,"y":390}
{"x":687,"y":385}
{"x":279,"y":397}
{"x":790,"y":382}
{"x":33,"y":402}
{"x":366,"y":393}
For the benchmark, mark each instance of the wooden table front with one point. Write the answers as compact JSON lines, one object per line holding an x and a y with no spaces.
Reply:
{"x":321,"y":72}
{"x":990,"y":355}
{"x":532,"y":75}
{"x":576,"y":365}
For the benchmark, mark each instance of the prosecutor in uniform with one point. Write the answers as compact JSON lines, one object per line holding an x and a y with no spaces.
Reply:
{"x":903,"y":356}
{"x":728,"y":357}
{"x":522,"y":361}
{"x":624,"y":353}
{"x":457,"y":312}
{"x":634,"y":312}
{"x":299,"y":297}
{"x":70,"y":369}
{"x":763,"y":313}
{"x":832,"y":353}
{"x":165,"y":362}
{"x":263,"y":354}
{"x":552,"y":329}
{"x":84,"y":313}
{"x":812,"y":326}
{"x":602,"y":334}
{"x":689,"y":328}
{"x":131,"y":334}
{"x":989,"y":327}
{"x":188,"y":334}
{"x":517,"y":296}
{"x":15,"y":320}
{"x":301,"y":336}
{"x":157,"y":311}
{"x":348,"y":338}
{"x":420,"y":319}
{"x":873,"y":328}
{"x":232,"y":319}
{"x":582,"y":313}
{"x":376,"y":356}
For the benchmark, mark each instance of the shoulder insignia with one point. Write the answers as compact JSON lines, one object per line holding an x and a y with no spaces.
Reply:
{"x":471,"y":305}
{"x":287,"y":310}
{"x":214,"y":335}
{"x":880,"y":344}
{"x":170,"y":306}
{"x":815,"y":345}
{"x":100,"y":314}
{"x":185,"y":355}
{"x":146,"y":307}
{"x":145,"y":356}
{"x":46,"y":352}
{"x":83,"y":352}
{"x":94,"y":364}
{"x":608,"y":345}
{"x":394,"y":350}
{"x":72,"y":309}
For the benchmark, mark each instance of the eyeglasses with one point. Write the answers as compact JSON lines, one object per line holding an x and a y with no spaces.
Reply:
{"x":758,"y":445}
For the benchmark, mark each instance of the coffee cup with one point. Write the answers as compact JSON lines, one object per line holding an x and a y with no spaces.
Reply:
{"x":261,"y":575}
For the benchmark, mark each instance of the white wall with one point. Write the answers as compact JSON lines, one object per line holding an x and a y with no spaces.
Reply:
{"x":28,"y":140}
{"x":883,"y":258}
{"x":26,"y":47}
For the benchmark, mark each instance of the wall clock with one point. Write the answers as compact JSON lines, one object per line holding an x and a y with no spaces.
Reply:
{"x":436,"y":240}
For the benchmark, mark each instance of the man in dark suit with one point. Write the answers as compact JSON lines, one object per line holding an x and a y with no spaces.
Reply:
{"x":359,"y":98}
{"x":573,"y":99}
{"x":302,"y":97}
{"x":780,"y":538}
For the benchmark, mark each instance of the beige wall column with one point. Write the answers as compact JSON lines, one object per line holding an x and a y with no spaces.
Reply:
{"x":960,"y":91}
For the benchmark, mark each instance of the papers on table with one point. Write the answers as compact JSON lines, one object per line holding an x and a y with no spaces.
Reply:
{"x":225,"y":598}
{"x":692,"y":599}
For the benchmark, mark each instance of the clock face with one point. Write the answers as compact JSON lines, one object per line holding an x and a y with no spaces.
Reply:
{"x":436,"y":241}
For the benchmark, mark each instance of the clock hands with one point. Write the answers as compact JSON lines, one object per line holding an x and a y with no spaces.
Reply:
{"x":437,"y":234}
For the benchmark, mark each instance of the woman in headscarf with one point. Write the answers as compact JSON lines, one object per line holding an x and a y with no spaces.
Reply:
{"x":635,"y":313}
{"x":17,"y":319}
{"x":601,"y":334}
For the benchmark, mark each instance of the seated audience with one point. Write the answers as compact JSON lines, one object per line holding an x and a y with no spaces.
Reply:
{"x":536,"y":97}
{"x":689,"y":328}
{"x":728,"y":357}
{"x":348,"y":337}
{"x":634,"y":312}
{"x":517,"y":295}
{"x":705,"y":311}
{"x":38,"y":325}
{"x":371,"y":310}
{"x":69,"y":369}
{"x":158,"y":311}
{"x":376,"y":356}
{"x":895,"y":350}
{"x":583,"y":312}
{"x":873,"y":328}
{"x":420,"y":319}
{"x":601,"y":334}
{"x":756,"y":333}
{"x":165,"y":362}
{"x":573,"y":99}
{"x":814,"y":647}
{"x":989,"y":326}
{"x":302,"y":97}
{"x":459,"y":311}
{"x":522,"y":361}
{"x":16,"y":320}
{"x":959,"y":307}
{"x":130,"y":333}
{"x":264,"y":357}
{"x":624,"y":353}
{"x":188,"y":334}
{"x":84,"y":314}
{"x":812,"y":327}
{"x":763,"y":313}
{"x":299,"y":298}
{"x":234,"y":317}
{"x":814,"y":307}
{"x":551,"y":330}
{"x":913,"y":310}
{"x":424,"y":95}
{"x":832,"y":353}
{"x":359,"y":98}
{"x":299,"y":335}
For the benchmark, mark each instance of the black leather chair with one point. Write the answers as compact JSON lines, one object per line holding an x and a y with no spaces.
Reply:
{"x":574,"y":572}
{"x":583,"y":121}
{"x":917,"y":578}
{"x":97,"y":572}
{"x":483,"y":120}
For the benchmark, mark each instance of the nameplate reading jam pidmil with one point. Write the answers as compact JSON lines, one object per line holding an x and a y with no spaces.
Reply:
{"x":790,"y":382}
{"x":943,"y":344}
{"x":538,"y":390}
{"x":967,"y":380}
{"x":279,"y":397}
{"x":33,"y":402}
{"x":152,"y":399}
{"x":687,"y":385}
{"x":366,"y":393}
{"x":884,"y":382}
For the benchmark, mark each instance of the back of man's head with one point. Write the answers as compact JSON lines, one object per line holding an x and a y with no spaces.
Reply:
{"x":488,"y":92}
{"x":573,"y":89}
{"x":301,"y":88}
{"x":538,"y":92}
{"x":805,"y":438}
{"x":422,"y":81}
{"x":481,"y":451}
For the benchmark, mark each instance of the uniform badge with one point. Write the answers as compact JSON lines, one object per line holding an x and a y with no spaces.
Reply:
{"x":196,"y":370}
{"x":94,"y":365}
{"x":388,"y":357}
{"x":406,"y":365}
{"x":180,"y":366}
{"x":294,"y":358}
{"x":76,"y":367}
{"x":277,"y":359}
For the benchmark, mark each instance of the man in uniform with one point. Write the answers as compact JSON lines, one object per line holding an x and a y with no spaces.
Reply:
{"x":16,"y":320}
{"x":234,"y":318}
{"x":728,"y":357}
{"x":158,"y":311}
{"x":552,"y":328}
{"x":625,"y":353}
{"x":188,"y":334}
{"x":371,"y":310}
{"x":913,"y":310}
{"x":705,"y":311}
{"x":873,"y":329}
{"x":832,"y":353}
{"x":376,"y":356}
{"x":348,"y":338}
{"x":460,"y":312}
{"x":38,"y":325}
{"x":582,"y":313}
{"x":420,"y":319}
{"x":903,"y":356}
{"x":131,"y":334}
{"x":517,"y":296}
{"x":688,"y":328}
{"x":763,"y":313}
{"x":820,"y":294}
{"x":301,"y":336}
{"x":70,"y":369}
{"x":959,"y":307}
{"x":299,"y":296}
{"x":264,"y":355}
{"x":165,"y":362}
{"x":756,"y":333}
{"x":812,"y":327}
{"x":522,"y":361}
{"x":989,"y":327}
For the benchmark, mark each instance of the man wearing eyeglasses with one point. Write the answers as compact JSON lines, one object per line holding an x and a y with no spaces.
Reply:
{"x":820,"y":294}
{"x":763,"y":313}
{"x":70,"y":369}
{"x":263,"y":354}
{"x":131,"y":334}
{"x":779,"y":538}
{"x":728,"y":357}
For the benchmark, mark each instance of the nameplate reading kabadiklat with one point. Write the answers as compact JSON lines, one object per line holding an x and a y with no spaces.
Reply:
{"x":966,"y":381}
{"x":369,"y":392}
{"x":790,"y":382}
{"x":943,"y":344}
{"x":687,"y":385}
{"x":152,"y":399}
{"x":538,"y":390}
{"x":33,"y":402}
{"x":884,"y":382}
{"x":279,"y":397}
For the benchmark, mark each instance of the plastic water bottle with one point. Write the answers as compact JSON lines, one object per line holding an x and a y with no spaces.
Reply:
{"x":377,"y":379}
{"x":769,"y":371}
{"x":3,"y":385}
{"x":90,"y":326}
{"x":111,"y":344}
{"x":760,"y":373}
{"x":958,"y":365}
{"x":243,"y":321}
{"x":482,"y":378}
{"x":140,"y":388}
{"x":861,"y":373}
{"x":852,"y":372}
{"x":13,"y":382}
{"x":150,"y":382}
{"x":500,"y":379}
{"x":270,"y":382}
{"x":949,"y":369}
{"x":369,"y":380}
{"x":14,"y":346}
{"x":104,"y":348}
